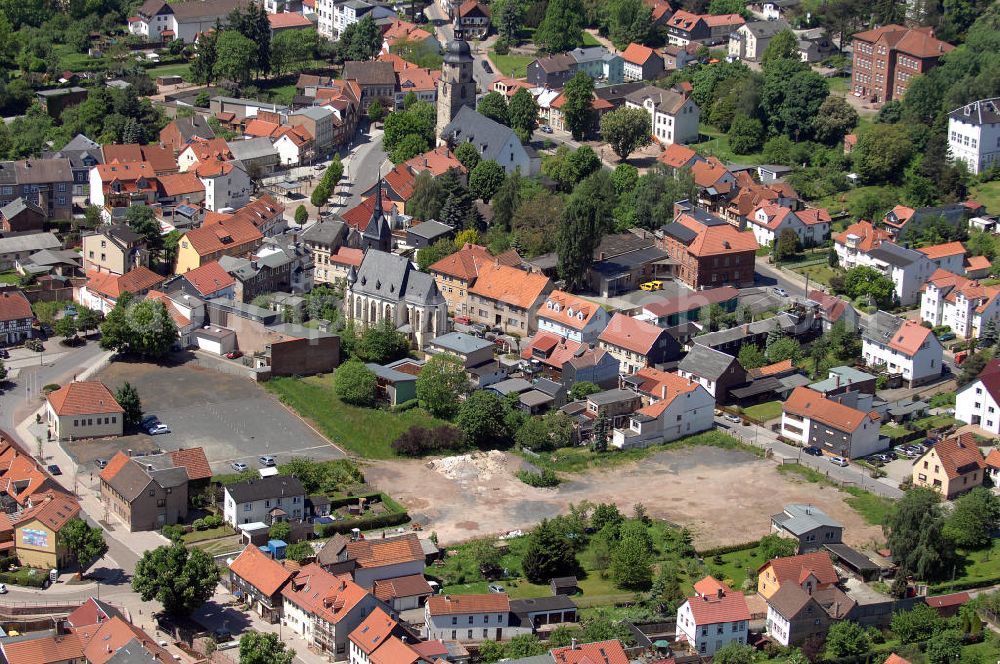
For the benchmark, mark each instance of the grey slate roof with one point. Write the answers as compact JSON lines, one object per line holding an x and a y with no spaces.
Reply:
{"x":895,"y":255}
{"x":32,"y":242}
{"x":545,"y":603}
{"x":81,"y":152}
{"x":330,"y":232}
{"x":390,"y":374}
{"x":983,"y":111}
{"x":132,"y":653}
{"x":470,"y":126}
{"x":253,"y":148}
{"x":264,"y":488}
{"x":430,"y":230}
{"x":393,"y":277}
{"x":511,"y":386}
{"x":881,"y":327}
{"x":800,"y":519}
{"x":611,"y":396}
{"x":767,"y":29}
{"x":195,"y":125}
{"x":460,"y":343}
{"x":17,"y":206}
{"x":706,"y":362}
{"x":373,"y":72}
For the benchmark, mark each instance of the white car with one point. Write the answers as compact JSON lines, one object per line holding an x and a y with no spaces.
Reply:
{"x":3,"y":588}
{"x":159,"y":428}
{"x":733,"y":418}
{"x":238,"y":466}
{"x":780,"y":292}
{"x":838,"y":461}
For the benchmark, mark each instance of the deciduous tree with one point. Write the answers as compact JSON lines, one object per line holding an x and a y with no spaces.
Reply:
{"x":128,"y":398}
{"x":578,"y":111}
{"x":494,"y":106}
{"x":482,"y":417}
{"x":976,"y":515}
{"x":626,"y":129}
{"x":264,"y":648}
{"x":85,"y":543}
{"x":441,"y":384}
{"x":562,"y":28}
{"x":549,"y":554}
{"x":914,"y":532}
{"x":356,"y":384}
{"x":181,"y":579}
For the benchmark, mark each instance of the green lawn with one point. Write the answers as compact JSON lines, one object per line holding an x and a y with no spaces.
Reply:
{"x":182,"y":69}
{"x":217,"y":547}
{"x":10,"y":277}
{"x":841,"y":202}
{"x":737,"y":566}
{"x":511,"y":65}
{"x":988,"y":194}
{"x":871,"y":507}
{"x":590,"y":40}
{"x":839,"y":85}
{"x":820,"y":272}
{"x":716,"y":144}
{"x":980,"y":566}
{"x":763,"y":412}
{"x":367,"y":432}
{"x":207,"y":534}
{"x":893,"y":431}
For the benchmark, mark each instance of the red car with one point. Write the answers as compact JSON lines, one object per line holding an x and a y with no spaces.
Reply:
{"x":463,"y":320}
{"x":234,"y":354}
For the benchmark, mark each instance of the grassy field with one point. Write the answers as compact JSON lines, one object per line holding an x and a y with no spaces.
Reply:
{"x":763,"y":412}
{"x":981,"y":566}
{"x":820,"y":273}
{"x":182,"y":69}
{"x":590,"y":40}
{"x":367,"y":432}
{"x":511,"y":65}
{"x":207,"y":534}
{"x":217,"y":547}
{"x":839,"y":85}
{"x":989,"y":195}
{"x":841,"y":202}
{"x":873,"y":508}
{"x":716,"y":144}
{"x":10,"y":277}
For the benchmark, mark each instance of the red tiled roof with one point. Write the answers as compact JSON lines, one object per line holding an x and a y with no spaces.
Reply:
{"x":713,"y":609}
{"x":51,"y":508}
{"x":792,"y":568}
{"x":942,"y":250}
{"x":993,"y":459}
{"x":359,"y":215}
{"x":224,"y":234}
{"x":263,"y":573}
{"x":209,"y":278}
{"x":555,"y":350}
{"x":317,"y":591}
{"x":180,"y":319}
{"x":465,"y":263}
{"x":710,"y":586}
{"x":378,"y":553}
{"x":771,"y":369}
{"x":472,"y":5}
{"x":910,"y":336}
{"x":871,"y":237}
{"x":404,"y":30}
{"x":637,"y":54}
{"x":372,"y":631}
{"x":896,"y":659}
{"x":977,"y":263}
{"x":194,"y":461}
{"x":716,"y":20}
{"x":125,"y":172}
{"x":136,"y":280}
{"x":177,"y":184}
{"x":953,"y":599}
{"x":601,"y":652}
{"x":45,"y":650}
{"x":117,"y":462}
{"x":104,"y":640}
{"x":958,"y":455}
{"x":394,"y":651}
{"x":85,"y":397}
{"x":677,"y":156}
{"x":288,"y":20}
{"x":631,"y":334}
{"x":347,"y":256}
{"x":716,"y":240}
{"x":810,"y":403}
{"x":669,"y":388}
{"x":14,"y":306}
{"x":402,"y":586}
{"x":442,"y":605}
{"x":261,"y":128}
{"x":568,"y":310}
{"x":510,"y":285}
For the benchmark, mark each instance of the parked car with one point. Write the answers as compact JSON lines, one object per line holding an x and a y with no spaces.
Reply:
{"x":266,"y":460}
{"x":3,"y":591}
{"x":54,"y":469}
{"x":319,"y":167}
{"x":234,"y":354}
{"x":4,"y":354}
{"x":487,"y":68}
{"x":733,"y":418}
{"x":812,"y":450}
{"x":158,"y":429}
{"x":780,"y":292}
{"x":546,"y":129}
{"x":222,"y":635}
{"x":238,"y":466}
{"x":838,"y":461}
{"x":494,"y":588}
{"x":653,"y":285}
{"x":875,"y":460}
{"x":463,"y":320}
{"x":947,"y":336}
{"x":101,"y":463}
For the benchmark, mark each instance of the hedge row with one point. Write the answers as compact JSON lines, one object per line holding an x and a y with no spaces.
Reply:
{"x":404,"y":406}
{"x":364,"y":523}
{"x":958,"y":586}
{"x":353,"y":500}
{"x":732,"y":548}
{"x":39,"y":580}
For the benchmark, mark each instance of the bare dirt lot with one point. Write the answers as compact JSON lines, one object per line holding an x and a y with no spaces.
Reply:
{"x":723,"y":496}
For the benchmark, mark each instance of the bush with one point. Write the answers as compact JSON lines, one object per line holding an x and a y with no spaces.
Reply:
{"x":417,"y":440}
{"x":199,"y":524}
{"x":405,"y":406}
{"x":732,"y":548}
{"x":547,"y":478}
{"x":51,"y":387}
{"x":365,"y":523}
{"x":212,"y":521}
{"x":25,"y":577}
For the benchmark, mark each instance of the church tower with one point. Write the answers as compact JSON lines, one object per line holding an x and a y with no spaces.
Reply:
{"x":456,"y":87}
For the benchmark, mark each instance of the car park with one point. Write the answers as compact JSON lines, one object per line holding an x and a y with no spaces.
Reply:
{"x":238,"y":466}
{"x":266,"y":460}
{"x":838,"y":461}
{"x":813,"y":451}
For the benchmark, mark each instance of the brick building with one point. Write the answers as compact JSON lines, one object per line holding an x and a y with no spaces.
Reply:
{"x":886,"y":59}
{"x":709,"y":252}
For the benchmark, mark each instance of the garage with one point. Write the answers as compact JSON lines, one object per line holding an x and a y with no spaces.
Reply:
{"x":216,"y":340}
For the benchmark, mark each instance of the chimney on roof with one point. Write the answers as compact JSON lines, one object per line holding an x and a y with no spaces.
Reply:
{"x":573,"y":643}
{"x":720,"y":593}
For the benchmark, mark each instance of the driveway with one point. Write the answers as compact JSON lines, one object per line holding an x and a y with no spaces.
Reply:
{"x":233,"y":418}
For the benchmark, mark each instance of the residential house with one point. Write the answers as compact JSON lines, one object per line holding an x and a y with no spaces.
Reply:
{"x":472,"y":351}
{"x":960,"y":303}
{"x":609,"y":652}
{"x":750,"y":40}
{"x":380,"y":639}
{"x":265,"y":500}
{"x":710,"y":621}
{"x":832,"y":309}
{"x":902,"y":221}
{"x":20,"y":247}
{"x":202,"y":149}
{"x":599,"y":64}
{"x":709,"y":251}
{"x":768,"y":221}
{"x":810,"y":572}
{"x":624,"y":261}
{"x":317,"y":123}
{"x":672,"y":311}
{"x":684,"y":28}
{"x":147,"y":493}
{"x":679,"y":57}
{"x":908,"y":269}
{"x":812,"y":528}
{"x":257,"y":579}
{"x":571,"y":361}
{"x":257,"y":156}
{"x":810,"y":418}
{"x":571,"y":317}
{"x":978,"y":402}
{"x":208,"y":282}
{"x":39,"y":541}
{"x":974,"y":134}
{"x":714,"y":370}
{"x":179,"y":132}
{"x":389,"y":287}
{"x":855,"y":242}
{"x":83,"y":154}
{"x":83,"y":409}
{"x":234,"y":236}
{"x":295,"y":146}
{"x":376,"y":79}
{"x":48,"y":183}
{"x":345,"y":12}
{"x":21,"y":216}
{"x":681,"y":408}
{"x":325,"y":609}
{"x":948,"y":256}
{"x":887,"y":58}
{"x":284,"y":21}
{"x":398,"y":184}
{"x":15,"y":318}
{"x":163,"y":22}
{"x":273,"y":269}
{"x":951,"y":467}
{"x":472,"y":21}
{"x":380,"y":559}
{"x":426,"y":233}
{"x":641,"y":63}
{"x":552,"y":71}
{"x":327,"y":239}
{"x":179,"y":189}
{"x":102,"y":289}
{"x":674,"y":116}
{"x":117,"y":186}
{"x":493,"y":140}
{"x":508,"y":298}
{"x":405,"y":31}
{"x":903,"y":347}
{"x":456,"y":273}
{"x":162,"y":160}
{"x":677,"y":157}
{"x":796,"y":616}
{"x":470,"y":618}
{"x":636,"y":343}
{"x":114,"y":249}
{"x":422,"y":82}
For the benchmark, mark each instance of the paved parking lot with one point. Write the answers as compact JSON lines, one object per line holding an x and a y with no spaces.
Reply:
{"x":231,"y":417}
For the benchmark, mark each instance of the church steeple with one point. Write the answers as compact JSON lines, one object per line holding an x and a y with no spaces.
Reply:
{"x":456,"y":88}
{"x":377,"y":233}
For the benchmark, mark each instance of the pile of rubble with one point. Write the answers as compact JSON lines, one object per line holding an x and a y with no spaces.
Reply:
{"x":479,"y":466}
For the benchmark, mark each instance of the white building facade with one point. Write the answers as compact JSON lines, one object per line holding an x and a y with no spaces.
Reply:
{"x":976,"y":404}
{"x":974,"y":134}
{"x":668,"y":419}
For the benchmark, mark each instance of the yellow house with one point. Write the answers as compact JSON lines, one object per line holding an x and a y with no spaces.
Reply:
{"x":952,"y":467}
{"x":231,"y":235}
{"x":809,"y":571}
{"x":37,"y":541}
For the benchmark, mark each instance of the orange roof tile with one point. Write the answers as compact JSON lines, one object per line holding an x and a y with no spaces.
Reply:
{"x":809,"y":403}
{"x":125,"y":172}
{"x":361,"y":214}
{"x":713,"y":609}
{"x":909,"y":337}
{"x":771,"y":369}
{"x":715,"y":20}
{"x":117,"y":462}
{"x":793,"y":568}
{"x":600,"y":652}
{"x":710,"y":586}
{"x":677,"y":156}
{"x":958,"y":455}
{"x":178,"y":184}
{"x":104,"y":639}
{"x":373,"y":631}
{"x":45,"y":650}
{"x":380,"y":552}
{"x":194,"y":461}
{"x":993,"y":459}
{"x":402,"y":586}
{"x":51,"y":508}
{"x":394,"y":651}
{"x":136,"y":280}
{"x":443,"y":605}
{"x":179,"y":319}
{"x":708,"y":174}
{"x":222,"y":235}
{"x":510,"y":285}
{"x":261,"y":128}
{"x":631,"y":334}
{"x":263,"y":573}
{"x":14,"y":306}
{"x":718,"y":239}
{"x":347,"y":256}
{"x":286,"y":20}
{"x":209,"y":278}
{"x":84,"y":397}
{"x":977,"y":263}
{"x":637,"y":54}
{"x":317,"y":591}
{"x":896,"y":659}
{"x":669,"y":388}
{"x":942,"y":250}
{"x":567,"y":310}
